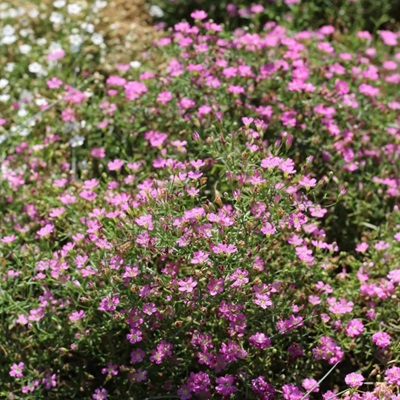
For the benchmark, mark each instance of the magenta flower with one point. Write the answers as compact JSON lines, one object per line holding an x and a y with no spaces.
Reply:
{"x":354,"y":380}
{"x":137,"y":356}
{"x":291,"y":392}
{"x":134,"y":336}
{"x":49,"y":381}
{"x":100,"y":394}
{"x":225,"y":385}
{"x":215,"y":286}
{"x":111,"y":369}
{"x":260,"y":340}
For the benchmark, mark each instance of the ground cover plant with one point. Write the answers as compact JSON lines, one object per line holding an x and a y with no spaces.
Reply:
{"x":224,"y":223}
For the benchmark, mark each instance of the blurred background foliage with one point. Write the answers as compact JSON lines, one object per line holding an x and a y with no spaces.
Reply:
{"x":347,"y":15}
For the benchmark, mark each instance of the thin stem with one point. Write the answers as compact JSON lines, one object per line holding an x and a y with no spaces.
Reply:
{"x":321,"y":380}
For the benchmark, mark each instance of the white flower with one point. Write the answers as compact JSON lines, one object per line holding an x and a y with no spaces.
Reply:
{"x":135,"y":64}
{"x":4,"y":98}
{"x":25,"y":32}
{"x":8,"y":30}
{"x":3,"y":83}
{"x":99,"y":4}
{"x":56,"y":18}
{"x":156,"y":11}
{"x":73,"y":9}
{"x":22,"y":112}
{"x":25,"y":49}
{"x":87,"y":27}
{"x":54,"y":46}
{"x":97,"y":39}
{"x":41,"y":102}
{"x":41,"y":41}
{"x":59,"y":3}
{"x":33,"y":13}
{"x":75,"y":40}
{"x":36,"y":68}
{"x":10,"y":67}
{"x":76,"y":141}
{"x":8,"y":39}
{"x":3,"y":138}
{"x":8,"y":35}
{"x":24,"y":132}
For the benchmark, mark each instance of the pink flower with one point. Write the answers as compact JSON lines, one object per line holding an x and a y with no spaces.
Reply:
{"x":291,"y":392}
{"x":260,"y":340}
{"x":76,"y":316}
{"x":354,"y":328}
{"x":146,"y":221}
{"x":54,"y":83}
{"x":247,"y":121}
{"x":389,"y":38}
{"x":354,"y":379}
{"x":164,"y":97}
{"x":362,"y":247}
{"x":307,"y":182}
{"x":137,"y":356}
{"x":115,"y":165}
{"x":199,"y":14}
{"x":56,"y":55}
{"x":17,"y":370}
{"x":394,"y":276}
{"x":225,"y":385}
{"x":368,"y":90}
{"x":215,"y":286}
{"x":381,"y":339}
{"x":100,"y":394}
{"x":133,"y":90}
{"x":46,"y":230}
{"x":392,"y":376}
{"x":187,"y":285}
{"x":8,"y":239}
{"x":310,"y":384}
{"x":199,"y":257}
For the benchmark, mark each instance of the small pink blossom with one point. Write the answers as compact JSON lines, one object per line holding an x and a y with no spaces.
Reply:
{"x":46,"y":230}
{"x":187,"y":285}
{"x":199,"y":14}
{"x":115,"y":165}
{"x":354,"y":379}
{"x":16,"y":370}
{"x":381,"y":339}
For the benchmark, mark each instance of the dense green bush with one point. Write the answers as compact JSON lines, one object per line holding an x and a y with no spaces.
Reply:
{"x":360,"y":14}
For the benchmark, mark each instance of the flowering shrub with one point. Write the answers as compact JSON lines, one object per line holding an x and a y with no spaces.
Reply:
{"x":225,"y":225}
{"x":350,"y":14}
